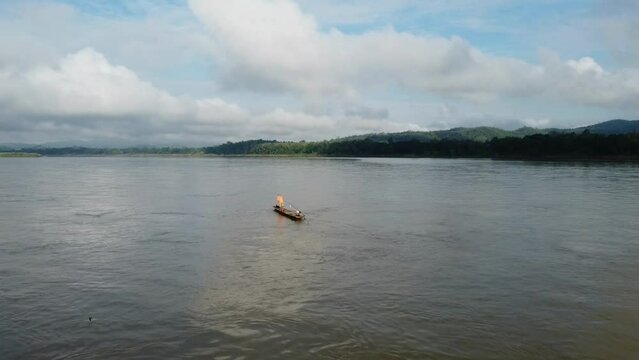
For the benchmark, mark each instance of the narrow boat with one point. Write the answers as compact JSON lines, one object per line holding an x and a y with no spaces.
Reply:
{"x":293,"y":214}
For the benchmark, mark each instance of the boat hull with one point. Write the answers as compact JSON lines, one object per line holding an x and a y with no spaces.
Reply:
{"x":288,"y":213}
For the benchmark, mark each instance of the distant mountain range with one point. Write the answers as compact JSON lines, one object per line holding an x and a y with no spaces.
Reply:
{"x":485,"y":133}
{"x":610,"y":127}
{"x":481,"y":134}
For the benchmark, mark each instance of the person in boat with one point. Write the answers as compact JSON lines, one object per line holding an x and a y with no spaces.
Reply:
{"x":297,"y":212}
{"x":280,"y":202}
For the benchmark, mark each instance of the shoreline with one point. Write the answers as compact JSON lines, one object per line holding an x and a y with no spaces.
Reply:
{"x":19,"y":155}
{"x":558,"y":159}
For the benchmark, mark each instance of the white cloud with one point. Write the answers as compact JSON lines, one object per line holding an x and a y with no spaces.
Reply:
{"x":38,"y":33}
{"x":85,"y":83}
{"x":274,"y":46}
{"x":584,"y":81}
{"x":87,"y":97}
{"x":536,"y":123}
{"x":166,"y":74}
{"x":586,"y":66}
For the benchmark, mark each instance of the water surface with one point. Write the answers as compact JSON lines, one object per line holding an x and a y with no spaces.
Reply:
{"x":399,"y":258}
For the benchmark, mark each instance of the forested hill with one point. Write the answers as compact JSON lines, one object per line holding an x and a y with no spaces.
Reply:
{"x":539,"y":146}
{"x":485,"y":133}
{"x":615,"y":139}
{"x":482,"y":133}
{"x":612,"y":127}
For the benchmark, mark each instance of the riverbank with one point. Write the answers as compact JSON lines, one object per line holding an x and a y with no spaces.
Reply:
{"x":19,"y":155}
{"x":558,"y":159}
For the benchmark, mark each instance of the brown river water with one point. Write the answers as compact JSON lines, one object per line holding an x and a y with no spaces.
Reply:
{"x":398,"y":258}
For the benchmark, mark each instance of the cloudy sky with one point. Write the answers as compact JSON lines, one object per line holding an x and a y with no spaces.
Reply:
{"x":207,"y":71}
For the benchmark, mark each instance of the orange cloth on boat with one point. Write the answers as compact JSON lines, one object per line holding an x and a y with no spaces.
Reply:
{"x":280,"y":201}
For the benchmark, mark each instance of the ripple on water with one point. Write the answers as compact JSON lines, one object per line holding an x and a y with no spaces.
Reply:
{"x":410,"y":258}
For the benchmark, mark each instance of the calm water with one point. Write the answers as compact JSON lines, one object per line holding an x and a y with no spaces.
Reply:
{"x":399,"y":258}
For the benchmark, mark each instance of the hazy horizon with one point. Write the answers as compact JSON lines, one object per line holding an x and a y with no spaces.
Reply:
{"x":115,"y":144}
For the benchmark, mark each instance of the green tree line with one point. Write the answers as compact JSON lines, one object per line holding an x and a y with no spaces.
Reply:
{"x":585,"y":145}
{"x":539,"y":146}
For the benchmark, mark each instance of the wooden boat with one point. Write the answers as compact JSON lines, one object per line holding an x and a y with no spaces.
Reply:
{"x":281,"y":209}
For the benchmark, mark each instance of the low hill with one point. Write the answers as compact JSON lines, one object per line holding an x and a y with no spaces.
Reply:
{"x":611,"y":127}
{"x":481,"y":134}
{"x":611,"y":139}
{"x":485,"y":133}
{"x":358,"y":144}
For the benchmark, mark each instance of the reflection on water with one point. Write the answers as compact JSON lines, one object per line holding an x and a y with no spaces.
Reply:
{"x":262,"y":273}
{"x":399,"y":258}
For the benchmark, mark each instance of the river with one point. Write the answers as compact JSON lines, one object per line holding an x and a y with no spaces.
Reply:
{"x":398,"y":258}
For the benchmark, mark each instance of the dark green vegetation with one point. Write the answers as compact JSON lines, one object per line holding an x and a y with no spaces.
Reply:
{"x":612,"y":127}
{"x":246,"y":147}
{"x":18,"y":154}
{"x":614,"y":139}
{"x":482,"y":133}
{"x":539,"y":146}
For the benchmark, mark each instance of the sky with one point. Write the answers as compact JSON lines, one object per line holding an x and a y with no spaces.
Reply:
{"x":202,"y":72}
